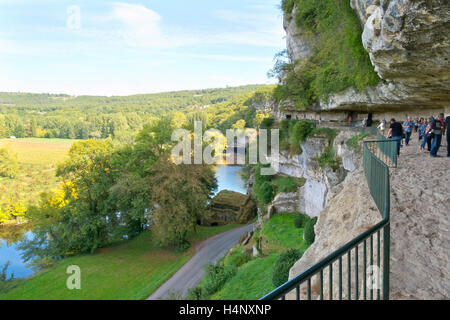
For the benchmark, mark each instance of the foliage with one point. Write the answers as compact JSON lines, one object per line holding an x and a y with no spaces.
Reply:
{"x":216,"y":276}
{"x":353,"y":142}
{"x":339,"y":60}
{"x":301,"y":220}
{"x":36,"y":159}
{"x":62,"y":116}
{"x":309,"y":234}
{"x":267,"y":123}
{"x":8,"y":164}
{"x":252,"y":280}
{"x":179,"y":195}
{"x":279,"y":233}
{"x":237,"y":258}
{"x":283,"y":264}
{"x":113,"y":193}
{"x":328,"y":158}
{"x":287,"y":184}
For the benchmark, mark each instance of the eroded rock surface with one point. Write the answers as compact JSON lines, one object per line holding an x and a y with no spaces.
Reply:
{"x":409,"y":46}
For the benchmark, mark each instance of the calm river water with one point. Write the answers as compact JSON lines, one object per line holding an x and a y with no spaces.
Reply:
{"x":228,"y":178}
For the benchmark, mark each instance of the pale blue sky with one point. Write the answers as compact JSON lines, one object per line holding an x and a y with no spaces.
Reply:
{"x":129,"y":47}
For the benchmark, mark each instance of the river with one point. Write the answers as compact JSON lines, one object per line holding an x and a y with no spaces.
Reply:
{"x":228,"y":178}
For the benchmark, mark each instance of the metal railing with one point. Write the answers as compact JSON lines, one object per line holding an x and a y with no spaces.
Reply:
{"x":369,"y":281}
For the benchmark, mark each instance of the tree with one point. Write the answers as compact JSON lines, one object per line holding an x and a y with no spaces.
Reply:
{"x":179,"y":197}
{"x":33,"y":128}
{"x":8,"y":164}
{"x":240,"y":124}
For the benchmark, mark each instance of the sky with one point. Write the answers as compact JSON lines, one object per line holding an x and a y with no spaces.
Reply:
{"x":102,"y":47}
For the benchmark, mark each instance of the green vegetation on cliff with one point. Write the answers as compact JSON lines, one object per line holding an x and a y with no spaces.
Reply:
{"x":339,"y":60}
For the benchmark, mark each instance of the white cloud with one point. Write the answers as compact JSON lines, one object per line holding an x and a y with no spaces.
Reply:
{"x":142,"y":27}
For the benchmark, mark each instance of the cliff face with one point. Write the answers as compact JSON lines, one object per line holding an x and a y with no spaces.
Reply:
{"x":312,"y":198}
{"x":409,"y":46}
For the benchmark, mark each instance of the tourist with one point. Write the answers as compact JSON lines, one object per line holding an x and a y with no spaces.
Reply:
{"x":438,"y":127}
{"x":421,"y":131}
{"x":396,"y":133}
{"x":447,"y":126}
{"x":382,"y":126}
{"x":417,"y":123}
{"x":364,"y":123}
{"x":428,"y":135}
{"x":408,"y":126}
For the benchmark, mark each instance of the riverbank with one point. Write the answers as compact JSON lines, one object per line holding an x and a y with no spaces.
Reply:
{"x":129,"y":271}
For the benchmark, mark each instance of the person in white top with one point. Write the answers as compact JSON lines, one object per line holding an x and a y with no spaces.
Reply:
{"x":382,"y":126}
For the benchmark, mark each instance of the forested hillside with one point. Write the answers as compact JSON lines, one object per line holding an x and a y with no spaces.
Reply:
{"x":62,"y":116}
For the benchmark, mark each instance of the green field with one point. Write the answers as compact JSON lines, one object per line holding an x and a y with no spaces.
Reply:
{"x":37,"y":159}
{"x":129,"y":271}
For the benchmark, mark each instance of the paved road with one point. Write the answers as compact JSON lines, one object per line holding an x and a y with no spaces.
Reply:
{"x":192,"y":272}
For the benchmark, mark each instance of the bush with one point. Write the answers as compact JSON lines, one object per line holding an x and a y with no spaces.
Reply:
{"x":237,"y":259}
{"x":195,"y":294}
{"x":300,"y":132}
{"x":353,"y":142}
{"x":267,"y":123}
{"x":266,"y":192}
{"x":300,"y":220}
{"x":283,"y":264}
{"x":216,"y":276}
{"x":8,"y":164}
{"x":308,"y":233}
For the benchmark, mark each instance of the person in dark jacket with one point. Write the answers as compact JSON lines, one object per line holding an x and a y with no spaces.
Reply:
{"x":447,"y":127}
{"x":396,"y":133}
{"x":438,"y":127}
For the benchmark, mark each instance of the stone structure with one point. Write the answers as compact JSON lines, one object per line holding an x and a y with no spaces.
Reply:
{"x":230,"y":207}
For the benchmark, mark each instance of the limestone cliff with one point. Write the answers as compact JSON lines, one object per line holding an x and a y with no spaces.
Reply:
{"x":313,"y":196}
{"x":409,"y":46}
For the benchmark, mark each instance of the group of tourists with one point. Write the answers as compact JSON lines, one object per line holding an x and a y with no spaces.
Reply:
{"x":430,"y":132}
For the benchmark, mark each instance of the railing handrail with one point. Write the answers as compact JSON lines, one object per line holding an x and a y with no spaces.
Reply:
{"x":334,"y":256}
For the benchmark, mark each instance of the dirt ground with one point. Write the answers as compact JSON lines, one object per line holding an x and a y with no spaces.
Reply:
{"x":420,"y":228}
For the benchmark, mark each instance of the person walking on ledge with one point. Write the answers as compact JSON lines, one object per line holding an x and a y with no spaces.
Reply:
{"x":447,"y":126}
{"x":396,"y":133}
{"x":408,"y":126}
{"x":438,"y":127}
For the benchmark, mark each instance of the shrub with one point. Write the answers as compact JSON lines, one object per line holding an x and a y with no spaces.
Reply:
{"x":308,"y":233}
{"x":267,"y":123}
{"x":300,"y":132}
{"x":328,"y":159}
{"x":195,"y":294}
{"x":283,"y":264}
{"x":237,"y":259}
{"x":300,"y":220}
{"x":216,"y":276}
{"x":8,"y":164}
{"x":266,"y":192}
{"x":353,"y":142}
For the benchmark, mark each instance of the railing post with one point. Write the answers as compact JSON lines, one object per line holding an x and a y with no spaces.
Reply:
{"x":386,"y":261}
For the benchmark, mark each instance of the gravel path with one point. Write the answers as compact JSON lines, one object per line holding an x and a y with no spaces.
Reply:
{"x":420,"y":215}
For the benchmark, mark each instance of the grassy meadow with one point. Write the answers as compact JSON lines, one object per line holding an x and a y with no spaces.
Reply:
{"x":128,"y":271}
{"x":37,"y":159}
